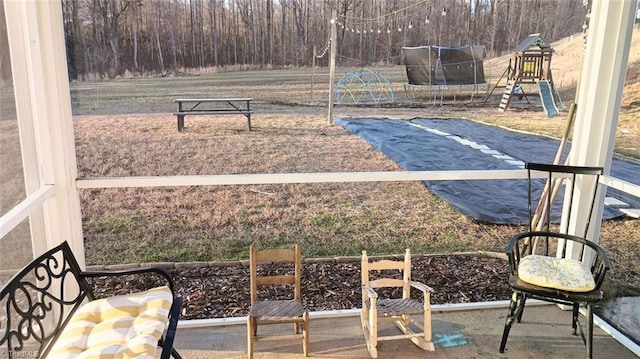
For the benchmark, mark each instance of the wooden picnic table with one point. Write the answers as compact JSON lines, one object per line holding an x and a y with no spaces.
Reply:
{"x":213,"y":106}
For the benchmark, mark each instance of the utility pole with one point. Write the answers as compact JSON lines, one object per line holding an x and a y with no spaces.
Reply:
{"x":332,"y":60}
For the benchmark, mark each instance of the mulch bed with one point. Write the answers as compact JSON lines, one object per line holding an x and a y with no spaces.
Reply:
{"x":219,"y":291}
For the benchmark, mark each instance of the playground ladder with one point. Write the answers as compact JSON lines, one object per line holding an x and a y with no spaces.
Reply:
{"x":506,"y":96}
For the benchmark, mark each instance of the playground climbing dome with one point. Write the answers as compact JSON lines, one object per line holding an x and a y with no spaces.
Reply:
{"x":364,"y":86}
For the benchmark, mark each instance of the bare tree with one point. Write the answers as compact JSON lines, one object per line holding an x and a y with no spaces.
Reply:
{"x":70,"y":11}
{"x":213,"y":36}
{"x":148,"y":34}
{"x":156,"y":33}
{"x":134,"y":22}
{"x":270,"y":32}
{"x":6,"y":77}
{"x":111,"y":11}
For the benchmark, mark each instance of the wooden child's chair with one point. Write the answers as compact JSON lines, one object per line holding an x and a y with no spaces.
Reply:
{"x":398,"y":310}
{"x":276,"y":311}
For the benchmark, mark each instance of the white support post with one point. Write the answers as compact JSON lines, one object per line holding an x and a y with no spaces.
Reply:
{"x":28,"y":145}
{"x":36,"y":41}
{"x":599,"y":97}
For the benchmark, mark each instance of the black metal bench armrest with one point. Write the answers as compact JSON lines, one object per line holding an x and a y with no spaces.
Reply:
{"x":167,"y":343}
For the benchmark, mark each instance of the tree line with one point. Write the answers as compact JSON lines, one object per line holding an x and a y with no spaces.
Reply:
{"x":107,"y":38}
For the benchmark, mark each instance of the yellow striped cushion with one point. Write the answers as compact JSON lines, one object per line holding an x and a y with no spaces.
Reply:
{"x":558,"y":273}
{"x":126,"y":326}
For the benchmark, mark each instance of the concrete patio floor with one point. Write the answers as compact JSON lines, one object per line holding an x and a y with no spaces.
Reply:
{"x":545,"y":332}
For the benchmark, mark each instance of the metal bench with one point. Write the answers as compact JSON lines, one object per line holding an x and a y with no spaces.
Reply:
{"x":40,"y":300}
{"x":212,"y":107}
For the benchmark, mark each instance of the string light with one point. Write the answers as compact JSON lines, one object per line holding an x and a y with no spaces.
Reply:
{"x":388,"y":16}
{"x":370,"y":30}
{"x":358,"y":25}
{"x":397,"y":21}
{"x":325,"y":50}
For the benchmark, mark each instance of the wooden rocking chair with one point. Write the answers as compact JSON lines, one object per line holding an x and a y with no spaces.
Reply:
{"x":276,"y":311}
{"x":398,"y":310}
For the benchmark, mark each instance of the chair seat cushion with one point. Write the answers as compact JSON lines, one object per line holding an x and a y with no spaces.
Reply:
{"x":558,"y":273}
{"x":126,"y":326}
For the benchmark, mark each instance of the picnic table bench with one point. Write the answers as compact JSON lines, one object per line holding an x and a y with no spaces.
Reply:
{"x":213,"y":106}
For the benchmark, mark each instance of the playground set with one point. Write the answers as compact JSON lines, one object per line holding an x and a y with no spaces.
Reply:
{"x":437,"y":71}
{"x":530,"y":63}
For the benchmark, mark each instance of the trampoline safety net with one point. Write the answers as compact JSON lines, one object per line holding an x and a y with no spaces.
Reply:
{"x":437,"y":65}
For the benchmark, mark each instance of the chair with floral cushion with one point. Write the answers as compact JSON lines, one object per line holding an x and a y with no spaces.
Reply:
{"x":551,"y":265}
